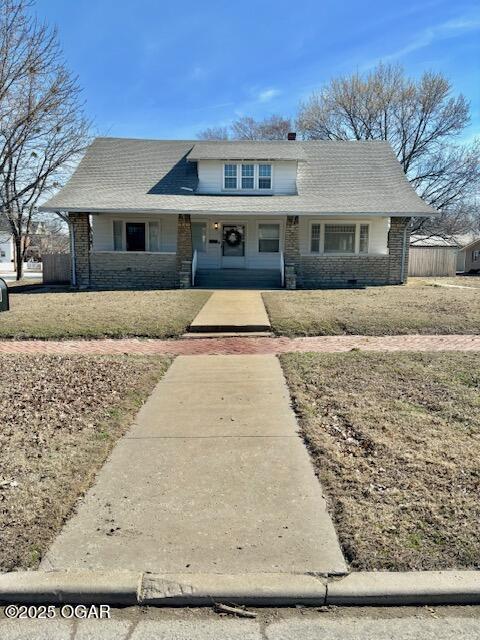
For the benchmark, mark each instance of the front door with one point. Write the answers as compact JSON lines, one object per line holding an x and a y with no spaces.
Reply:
{"x":233,"y":246}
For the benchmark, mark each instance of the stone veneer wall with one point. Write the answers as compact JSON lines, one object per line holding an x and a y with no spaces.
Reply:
{"x":132,"y":270}
{"x":80,"y":225}
{"x":335,"y":271}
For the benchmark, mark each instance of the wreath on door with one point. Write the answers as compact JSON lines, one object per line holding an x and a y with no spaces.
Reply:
{"x":233,"y":237}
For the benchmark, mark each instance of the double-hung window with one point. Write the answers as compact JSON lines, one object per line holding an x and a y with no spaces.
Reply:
{"x":230,"y":176}
{"x":247,"y":176}
{"x":268,"y":238}
{"x":264,"y":176}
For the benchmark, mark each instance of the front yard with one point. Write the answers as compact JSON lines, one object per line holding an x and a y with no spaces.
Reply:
{"x":99,"y":314}
{"x":395,"y":439}
{"x":420,"y":307}
{"x":61,"y":415}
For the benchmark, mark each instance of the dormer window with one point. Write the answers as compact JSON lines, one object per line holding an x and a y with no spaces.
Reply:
{"x":247,"y":177}
{"x":264,"y":176}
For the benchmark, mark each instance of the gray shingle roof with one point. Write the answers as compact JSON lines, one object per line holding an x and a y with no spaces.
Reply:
{"x":247,"y":150}
{"x":119,"y":174}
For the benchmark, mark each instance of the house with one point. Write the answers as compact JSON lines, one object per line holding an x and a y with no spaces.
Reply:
{"x":7,"y":247}
{"x":177,"y":213}
{"x":468,"y":256}
{"x":432,"y":256}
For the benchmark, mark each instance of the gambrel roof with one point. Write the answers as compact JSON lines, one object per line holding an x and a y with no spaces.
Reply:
{"x":160,"y":176}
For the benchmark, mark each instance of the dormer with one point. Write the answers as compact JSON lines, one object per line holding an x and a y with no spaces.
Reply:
{"x":247,"y":168}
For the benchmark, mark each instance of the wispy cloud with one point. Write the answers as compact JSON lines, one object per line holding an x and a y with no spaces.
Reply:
{"x":443,"y":31}
{"x":268,"y":94}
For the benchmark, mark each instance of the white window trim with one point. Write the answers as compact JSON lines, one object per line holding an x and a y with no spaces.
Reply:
{"x":322,"y":224}
{"x":255,"y":177}
{"x":280,"y":237}
{"x":147,"y":235}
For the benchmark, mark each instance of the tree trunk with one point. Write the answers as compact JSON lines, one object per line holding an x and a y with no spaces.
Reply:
{"x":18,"y":258}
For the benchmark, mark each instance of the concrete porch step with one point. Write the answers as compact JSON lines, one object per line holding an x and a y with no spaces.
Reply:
{"x":238,"y":278}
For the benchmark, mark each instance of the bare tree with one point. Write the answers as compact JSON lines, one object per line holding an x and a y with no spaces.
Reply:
{"x":213,"y":133}
{"x":42,"y":125}
{"x":420,"y":119}
{"x":274,"y":127}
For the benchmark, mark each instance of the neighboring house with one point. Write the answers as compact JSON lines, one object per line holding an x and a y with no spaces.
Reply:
{"x":7,"y":250}
{"x":468,"y":256}
{"x":432,"y":256}
{"x":154,"y":213}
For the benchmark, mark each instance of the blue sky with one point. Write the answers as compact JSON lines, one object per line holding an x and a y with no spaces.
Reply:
{"x":168,"y":70}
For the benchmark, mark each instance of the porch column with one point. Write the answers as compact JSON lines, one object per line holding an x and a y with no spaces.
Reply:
{"x":398,"y":246}
{"x":292,"y":252}
{"x":80,"y":249}
{"x":184,"y":251}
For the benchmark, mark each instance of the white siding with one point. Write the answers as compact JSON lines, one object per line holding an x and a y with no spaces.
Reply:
{"x":378,"y":232}
{"x":212,"y":258}
{"x":6,"y":247}
{"x":210,"y":177}
{"x":102,"y":229}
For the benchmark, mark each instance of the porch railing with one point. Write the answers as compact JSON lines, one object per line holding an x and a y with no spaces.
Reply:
{"x":194,"y":267}
{"x":282,"y":268}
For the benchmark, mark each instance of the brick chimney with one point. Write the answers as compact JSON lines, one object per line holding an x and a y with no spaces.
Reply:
{"x":291,"y":135}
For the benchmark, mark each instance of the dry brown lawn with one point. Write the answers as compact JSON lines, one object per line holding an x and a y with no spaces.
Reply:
{"x":420,"y":307}
{"x":98,"y":314}
{"x":61,"y":415}
{"x":395,"y":439}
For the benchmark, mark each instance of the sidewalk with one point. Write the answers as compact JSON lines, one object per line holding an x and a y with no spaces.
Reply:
{"x":212,"y":478}
{"x":232,"y":311}
{"x":244,"y":345}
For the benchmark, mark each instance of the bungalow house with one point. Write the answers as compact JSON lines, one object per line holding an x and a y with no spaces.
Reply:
{"x":182,"y":213}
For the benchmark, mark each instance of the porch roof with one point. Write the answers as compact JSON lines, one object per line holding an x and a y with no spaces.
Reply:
{"x":155,"y":176}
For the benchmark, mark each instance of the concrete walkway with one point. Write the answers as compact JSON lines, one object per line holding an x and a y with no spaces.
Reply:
{"x":211,"y":478}
{"x":232,"y":311}
{"x":243,"y":345}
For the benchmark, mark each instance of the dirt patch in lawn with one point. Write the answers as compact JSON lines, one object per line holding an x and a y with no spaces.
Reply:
{"x":416,"y":308}
{"x":395,"y":439}
{"x":99,"y":314}
{"x":61,"y":415}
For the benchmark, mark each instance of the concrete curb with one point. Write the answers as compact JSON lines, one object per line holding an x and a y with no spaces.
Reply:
{"x":265,"y":589}
{"x":405,"y":588}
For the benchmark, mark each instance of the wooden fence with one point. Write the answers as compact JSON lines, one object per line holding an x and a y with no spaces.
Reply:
{"x":432,"y":261}
{"x":56,"y":268}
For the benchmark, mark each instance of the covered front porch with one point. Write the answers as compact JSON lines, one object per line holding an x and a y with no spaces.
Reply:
{"x":232,"y":252}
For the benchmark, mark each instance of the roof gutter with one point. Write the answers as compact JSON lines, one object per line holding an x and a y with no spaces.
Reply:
{"x":220,"y":212}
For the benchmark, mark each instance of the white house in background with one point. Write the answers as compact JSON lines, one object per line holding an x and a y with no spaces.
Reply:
{"x":6,"y":250}
{"x":160,"y":213}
